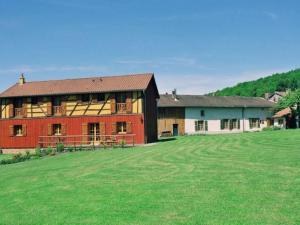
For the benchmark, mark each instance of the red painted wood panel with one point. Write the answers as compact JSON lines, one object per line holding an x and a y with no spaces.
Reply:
{"x":38,"y":127}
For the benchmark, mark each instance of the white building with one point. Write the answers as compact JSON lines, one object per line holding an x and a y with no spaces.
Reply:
{"x":214,"y":114}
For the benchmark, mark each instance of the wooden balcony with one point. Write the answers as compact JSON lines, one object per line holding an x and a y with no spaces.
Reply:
{"x":121,"y":107}
{"x":18,"y":112}
{"x":57,"y":110}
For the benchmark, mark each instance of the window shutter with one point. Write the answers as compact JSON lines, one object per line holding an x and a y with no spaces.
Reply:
{"x":128,"y":102}
{"x":50,"y":130}
{"x":113,"y":103}
{"x":239,"y":124}
{"x":84,"y":132}
{"x":11,"y":130}
{"x":63,"y":108}
{"x":102,"y":128}
{"x":24,"y":130}
{"x":49,"y":109}
{"x":206,"y":125}
{"x":129,"y":127}
{"x":11,"y":110}
{"x":230,"y":124}
{"x":113,"y":128}
{"x":63,"y":129}
{"x":24,"y":109}
{"x":222,"y":124}
{"x":196,"y":129}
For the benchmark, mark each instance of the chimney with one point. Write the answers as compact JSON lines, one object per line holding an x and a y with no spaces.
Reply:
{"x":174,"y":95}
{"x":22,"y":79}
{"x":267,"y":95}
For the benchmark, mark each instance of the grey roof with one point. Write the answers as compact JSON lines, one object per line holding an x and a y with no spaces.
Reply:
{"x":213,"y":101}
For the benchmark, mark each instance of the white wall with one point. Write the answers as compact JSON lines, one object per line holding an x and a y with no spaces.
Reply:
{"x":215,"y":115}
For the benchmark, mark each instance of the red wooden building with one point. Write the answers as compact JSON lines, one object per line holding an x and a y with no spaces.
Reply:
{"x":79,"y":111}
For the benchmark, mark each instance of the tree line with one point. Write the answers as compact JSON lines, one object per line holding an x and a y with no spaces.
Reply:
{"x":257,"y":88}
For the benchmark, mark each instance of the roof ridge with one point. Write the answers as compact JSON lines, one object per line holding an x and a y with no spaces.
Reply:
{"x":92,"y":77}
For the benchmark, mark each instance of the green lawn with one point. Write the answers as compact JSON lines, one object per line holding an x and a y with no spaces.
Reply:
{"x":251,"y":178}
{"x":5,"y":156}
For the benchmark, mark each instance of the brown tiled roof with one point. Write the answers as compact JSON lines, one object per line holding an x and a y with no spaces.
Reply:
{"x":82,"y":85}
{"x":213,"y":101}
{"x":283,"y":113}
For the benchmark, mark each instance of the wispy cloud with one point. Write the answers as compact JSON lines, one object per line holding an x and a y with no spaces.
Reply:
{"x":271,"y":15}
{"x":182,"y":61}
{"x":41,"y":69}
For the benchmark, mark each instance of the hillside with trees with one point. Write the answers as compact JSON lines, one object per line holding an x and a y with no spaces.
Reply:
{"x":257,"y":88}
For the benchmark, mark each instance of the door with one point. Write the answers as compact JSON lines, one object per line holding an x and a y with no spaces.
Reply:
{"x":175,"y":129}
{"x":94,"y":132}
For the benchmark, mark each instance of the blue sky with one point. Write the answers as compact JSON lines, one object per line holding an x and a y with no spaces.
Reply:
{"x":194,"y":46}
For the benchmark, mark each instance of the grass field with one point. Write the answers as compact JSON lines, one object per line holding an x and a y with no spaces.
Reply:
{"x":251,"y":178}
{"x":5,"y":156}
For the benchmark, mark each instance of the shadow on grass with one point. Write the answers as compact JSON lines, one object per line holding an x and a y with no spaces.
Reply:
{"x":166,"y":139}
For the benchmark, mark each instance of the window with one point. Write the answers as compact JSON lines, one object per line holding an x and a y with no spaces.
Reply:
{"x":101,"y":97}
{"x":57,"y":101}
{"x":225,"y":124}
{"x":254,"y":123}
{"x":202,"y":113}
{"x":201,"y":125}
{"x":18,"y":130}
{"x":18,"y":107}
{"x":234,"y":124}
{"x":280,"y":122}
{"x":230,"y":124}
{"x":56,"y":129}
{"x":121,"y":97}
{"x":85,"y":98}
{"x":121,"y":127}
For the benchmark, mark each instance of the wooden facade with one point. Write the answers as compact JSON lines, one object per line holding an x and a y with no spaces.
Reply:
{"x":25,"y":119}
{"x":170,"y":119}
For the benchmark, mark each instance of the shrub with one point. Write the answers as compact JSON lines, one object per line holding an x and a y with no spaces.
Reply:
{"x":38,"y":152}
{"x":49,"y":151}
{"x":60,"y":147}
{"x":122,"y":143}
{"x":53,"y":151}
{"x":272,"y":128}
{"x":27,"y":155}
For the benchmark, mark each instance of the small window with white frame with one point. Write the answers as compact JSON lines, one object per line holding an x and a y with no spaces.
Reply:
{"x":18,"y":130}
{"x":121,"y":127}
{"x":56,"y":129}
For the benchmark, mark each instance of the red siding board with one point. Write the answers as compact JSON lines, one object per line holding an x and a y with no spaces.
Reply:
{"x":39,"y":127}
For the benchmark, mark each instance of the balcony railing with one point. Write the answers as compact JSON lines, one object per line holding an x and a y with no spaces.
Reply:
{"x":57,"y":110}
{"x":87,"y":140}
{"x":121,"y":107}
{"x":18,"y":112}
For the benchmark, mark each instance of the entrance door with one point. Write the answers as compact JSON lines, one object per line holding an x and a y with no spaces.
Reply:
{"x":94,"y":132}
{"x":175,"y":129}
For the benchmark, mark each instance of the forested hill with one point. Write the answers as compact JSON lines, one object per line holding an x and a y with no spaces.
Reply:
{"x":257,"y":88}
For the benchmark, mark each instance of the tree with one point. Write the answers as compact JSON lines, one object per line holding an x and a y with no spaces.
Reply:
{"x":292,"y":101}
